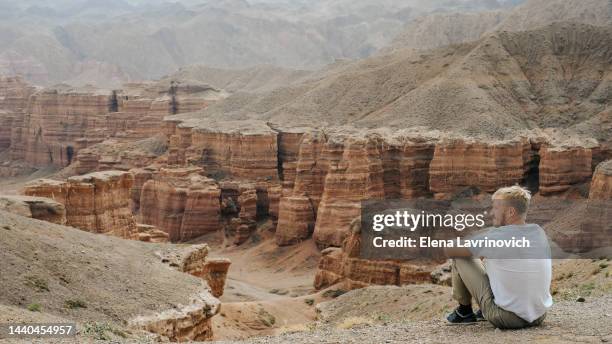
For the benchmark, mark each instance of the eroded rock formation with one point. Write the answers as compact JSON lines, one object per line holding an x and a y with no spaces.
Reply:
{"x":39,"y":208}
{"x":96,"y":202}
{"x":215,"y":272}
{"x":596,"y":228}
{"x":194,"y":260}
{"x":186,"y":323}
{"x":564,"y":167}
{"x":50,"y":126}
{"x":459,"y":164}
{"x":181,"y":202}
{"x":342,"y":266}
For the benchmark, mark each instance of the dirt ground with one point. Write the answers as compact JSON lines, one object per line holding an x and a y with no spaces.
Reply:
{"x":57,"y":272}
{"x":268,"y":288}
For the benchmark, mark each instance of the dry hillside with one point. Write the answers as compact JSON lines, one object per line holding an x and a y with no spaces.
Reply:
{"x":554,"y":77}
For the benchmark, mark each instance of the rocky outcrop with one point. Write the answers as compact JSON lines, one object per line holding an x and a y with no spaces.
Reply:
{"x":50,"y":126}
{"x":563,"y":167}
{"x":6,"y":123}
{"x":194,"y":260}
{"x":241,"y":149}
{"x":458,"y":164}
{"x":96,"y":202}
{"x":39,"y":208}
{"x":601,"y":186}
{"x":242,"y":204}
{"x":357,"y":176}
{"x":334,"y":172}
{"x":596,"y":228}
{"x":14,"y":94}
{"x":185,"y":322}
{"x":149,"y":233}
{"x":343,"y":266}
{"x":181,"y":202}
{"x":299,"y":204}
{"x":57,"y":124}
{"x":215,"y":272}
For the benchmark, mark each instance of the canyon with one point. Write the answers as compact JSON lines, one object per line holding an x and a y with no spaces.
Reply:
{"x":176,"y":162}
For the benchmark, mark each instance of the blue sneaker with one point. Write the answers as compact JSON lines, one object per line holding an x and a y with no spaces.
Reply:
{"x":456,"y":318}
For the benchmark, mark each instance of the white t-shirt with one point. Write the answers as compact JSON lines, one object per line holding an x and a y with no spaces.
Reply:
{"x":519,"y":285}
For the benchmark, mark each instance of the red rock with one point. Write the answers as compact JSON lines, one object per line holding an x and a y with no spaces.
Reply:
{"x":215,"y":273}
{"x":357,"y":176}
{"x":458,"y":164}
{"x":563,"y":167}
{"x":296,"y":220}
{"x":239,"y":149}
{"x":149,"y":233}
{"x":596,"y":227}
{"x":343,"y":265}
{"x":181,"y":202}
{"x":96,"y":202}
{"x":601,"y":185}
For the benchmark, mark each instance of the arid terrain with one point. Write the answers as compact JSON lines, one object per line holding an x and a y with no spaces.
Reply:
{"x":200,"y":171}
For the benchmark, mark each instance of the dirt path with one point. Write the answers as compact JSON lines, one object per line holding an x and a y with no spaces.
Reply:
{"x":267,"y":287}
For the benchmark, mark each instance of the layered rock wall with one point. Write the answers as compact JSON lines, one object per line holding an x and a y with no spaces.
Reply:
{"x":458,"y":164}
{"x":180,"y":202}
{"x":562,"y":168}
{"x":50,"y":126}
{"x":343,"y":267}
{"x":235,"y":149}
{"x":96,"y":202}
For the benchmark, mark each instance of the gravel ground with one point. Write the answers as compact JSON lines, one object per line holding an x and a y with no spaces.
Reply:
{"x":568,"y":322}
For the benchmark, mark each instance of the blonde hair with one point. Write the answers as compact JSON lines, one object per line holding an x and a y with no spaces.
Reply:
{"x":515,"y":196}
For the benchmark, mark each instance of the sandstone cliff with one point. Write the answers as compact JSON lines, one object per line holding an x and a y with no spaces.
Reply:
{"x":180,"y":202}
{"x":343,"y":267}
{"x":50,"y":126}
{"x":96,"y":202}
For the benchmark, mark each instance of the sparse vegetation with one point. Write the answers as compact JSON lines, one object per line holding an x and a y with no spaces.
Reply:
{"x":37,"y":283}
{"x":34,"y":307}
{"x":279,"y":291}
{"x":102,"y":331}
{"x":266,"y":318}
{"x":296,"y":328}
{"x":333,"y":293}
{"x":351,"y":322}
{"x":73,"y":304}
{"x":309,"y":302}
{"x":255,"y":238}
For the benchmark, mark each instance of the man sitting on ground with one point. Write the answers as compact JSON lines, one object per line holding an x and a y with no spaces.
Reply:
{"x":512,"y":288}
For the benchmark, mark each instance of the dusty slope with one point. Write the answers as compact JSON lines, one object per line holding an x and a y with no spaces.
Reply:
{"x":558,"y":76}
{"x":441,"y":29}
{"x":254,"y":79}
{"x":391,"y":314}
{"x":569,"y":322}
{"x":459,"y":27}
{"x":113,"y":279}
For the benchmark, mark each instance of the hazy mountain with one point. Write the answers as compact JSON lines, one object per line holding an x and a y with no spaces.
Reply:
{"x":100,"y":41}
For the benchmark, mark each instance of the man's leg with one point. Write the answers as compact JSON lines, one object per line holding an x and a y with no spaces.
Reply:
{"x":475,"y":280}
{"x":461,"y":294}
